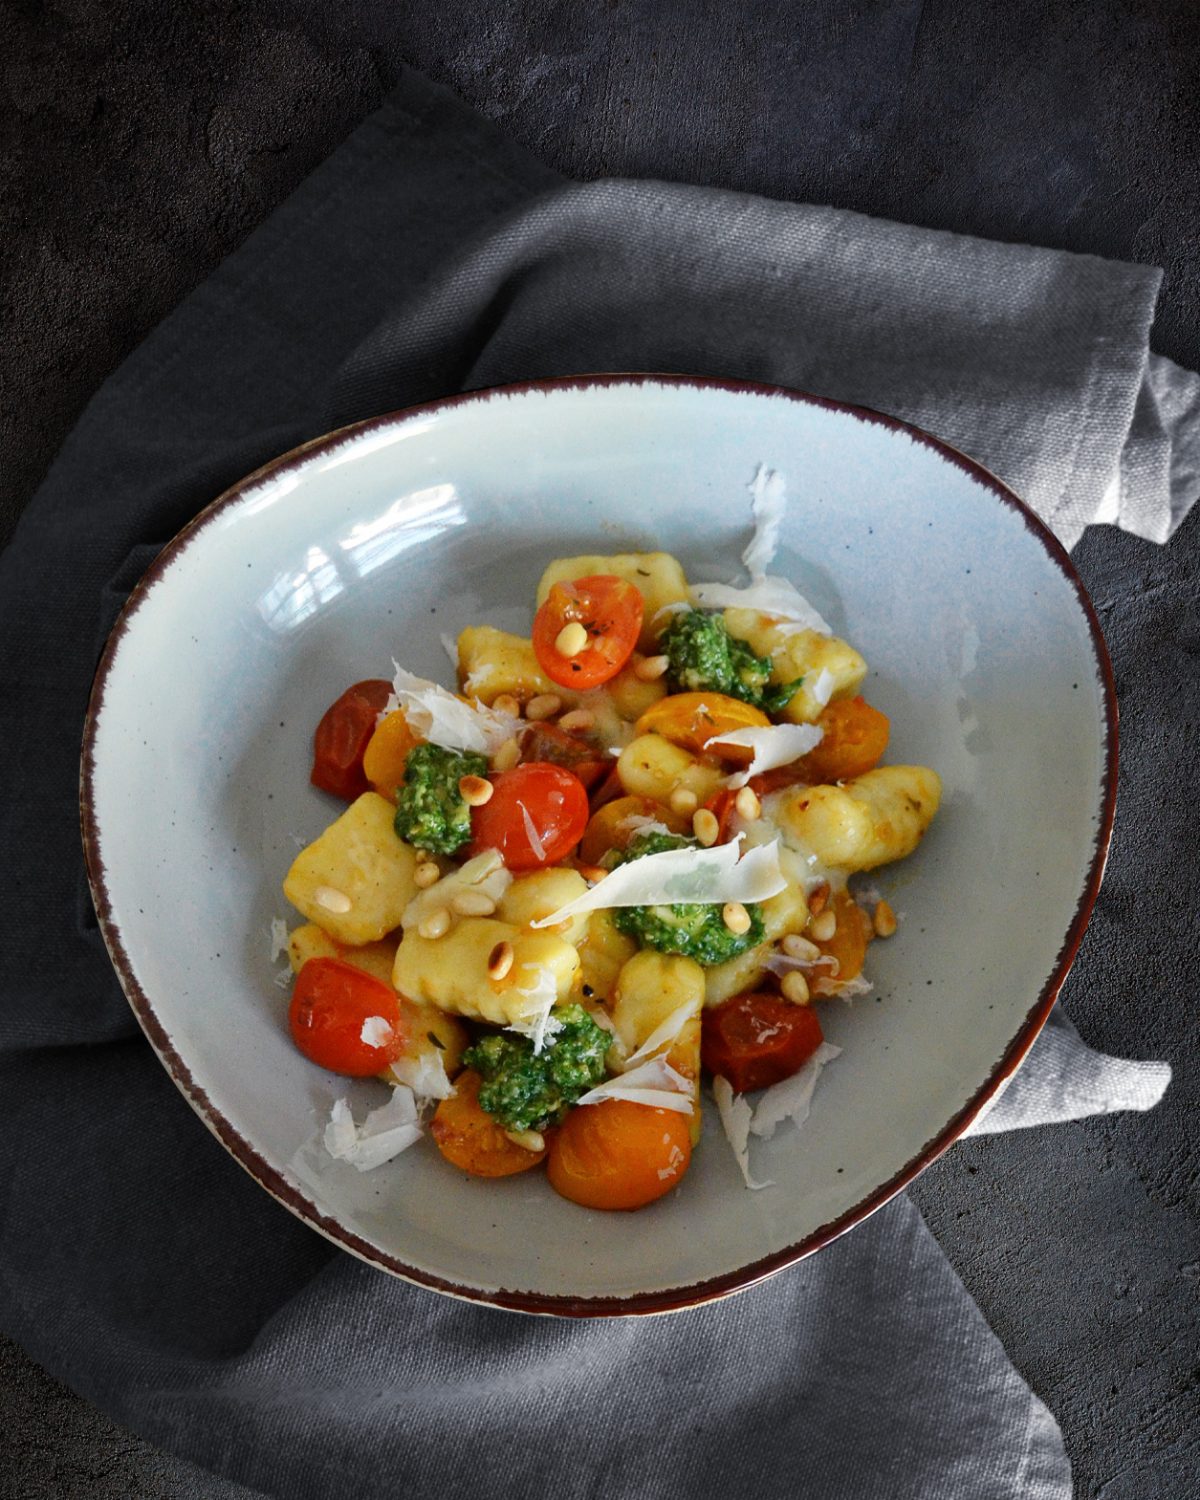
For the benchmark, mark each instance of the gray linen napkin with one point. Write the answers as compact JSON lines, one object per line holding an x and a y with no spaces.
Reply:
{"x":181,"y":1298}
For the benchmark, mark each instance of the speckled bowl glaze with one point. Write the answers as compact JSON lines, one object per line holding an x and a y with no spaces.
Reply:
{"x":372,"y":543}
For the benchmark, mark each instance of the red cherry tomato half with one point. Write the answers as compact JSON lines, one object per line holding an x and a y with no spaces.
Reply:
{"x":758,"y":1039}
{"x":331,"y":1003}
{"x":343,"y":735}
{"x":535,"y":816}
{"x":609,"y":609}
{"x":546,"y":742}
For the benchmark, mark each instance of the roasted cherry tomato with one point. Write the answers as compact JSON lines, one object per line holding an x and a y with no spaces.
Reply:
{"x":610,"y":828}
{"x":331,"y":1003}
{"x":386,"y":752}
{"x":471,"y":1139}
{"x":758,"y":1039}
{"x":343,"y":735}
{"x":535,"y":816}
{"x":721,"y":805}
{"x":608,"y":609}
{"x":554,"y":746}
{"x":854,"y":739}
{"x":618,"y":1154}
{"x":850,"y":938}
{"x":692,"y":719}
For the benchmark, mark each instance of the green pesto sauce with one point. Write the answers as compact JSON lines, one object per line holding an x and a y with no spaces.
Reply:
{"x":430,"y":811}
{"x":525,"y":1092}
{"x":704,"y":658}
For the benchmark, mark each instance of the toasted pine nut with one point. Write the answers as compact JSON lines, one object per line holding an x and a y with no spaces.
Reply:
{"x":505,"y":703}
{"x":506,"y":757}
{"x":651,"y":668}
{"x":705,"y":827}
{"x":500,"y":960}
{"x":528,"y":1140}
{"x":332,"y":900}
{"x":885,"y":920}
{"x":544,"y":706}
{"x":581,"y":719}
{"x":747,"y":804}
{"x":571,"y":639}
{"x":796,"y":946}
{"x":794,"y":987}
{"x":475,"y":790}
{"x":472,"y":904}
{"x":683,"y":800}
{"x":824,"y":926}
{"x":818,"y":897}
{"x":736,"y":917}
{"x":435,"y":925}
{"x":593,"y":873}
{"x":426,"y":874}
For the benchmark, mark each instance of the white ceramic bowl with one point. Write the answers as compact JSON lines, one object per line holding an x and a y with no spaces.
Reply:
{"x":369,"y":544}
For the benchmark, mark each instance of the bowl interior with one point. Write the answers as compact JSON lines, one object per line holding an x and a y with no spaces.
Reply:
{"x":375,"y":545}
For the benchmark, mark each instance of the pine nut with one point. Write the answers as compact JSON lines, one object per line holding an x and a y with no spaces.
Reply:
{"x":885,"y":920}
{"x":506,"y":757}
{"x":544,"y":706}
{"x":472,"y":904}
{"x":578,"y":719}
{"x":796,"y":946}
{"x":736,"y":917}
{"x":426,"y":874}
{"x":747,"y":804}
{"x":475,"y":790}
{"x":435,"y":925}
{"x":705,"y":827}
{"x":818,"y":898}
{"x":505,"y":703}
{"x":528,"y":1140}
{"x":824,"y":926}
{"x":571,"y":639}
{"x":500,"y":960}
{"x":682,"y":800}
{"x":794,"y":987}
{"x":593,"y":873}
{"x":651,"y":668}
{"x":333,"y":900}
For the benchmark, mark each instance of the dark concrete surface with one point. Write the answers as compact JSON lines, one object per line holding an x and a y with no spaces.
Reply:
{"x":140,"y":142}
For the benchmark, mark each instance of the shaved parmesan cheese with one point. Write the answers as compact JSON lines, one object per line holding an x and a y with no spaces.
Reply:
{"x":531,"y":833}
{"x":376,"y":1031}
{"x":425,"y":1074}
{"x":771,"y":595}
{"x":663,"y":1035}
{"x":791,"y":1099}
{"x":772,"y":745}
{"x":707,"y":876}
{"x":383,"y":1134}
{"x":843,"y":989}
{"x":654,"y":1083}
{"x":538,"y":997}
{"x":676,"y":607}
{"x":283,"y":978}
{"x":736,"y":1115}
{"x":783,"y":963}
{"x":450,"y":647}
{"x":822,"y":688}
{"x":635,"y":823}
{"x":767,"y":507}
{"x":279,"y":937}
{"x":443,"y":719}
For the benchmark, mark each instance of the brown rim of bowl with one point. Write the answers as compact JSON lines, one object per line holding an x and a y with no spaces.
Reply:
{"x":672,"y":1298}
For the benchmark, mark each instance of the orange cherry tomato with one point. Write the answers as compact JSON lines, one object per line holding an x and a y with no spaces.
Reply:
{"x":546,"y":742}
{"x":471,"y":1139}
{"x":758,"y":1039}
{"x":690,"y":720}
{"x":721,"y":805}
{"x":342,"y":737}
{"x":331,"y":1002}
{"x":386,"y":752}
{"x":619,"y":1155}
{"x":609,"y":609}
{"x":605,"y":828}
{"x":535,"y":816}
{"x":854,"y":739}
{"x":850,"y":938}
